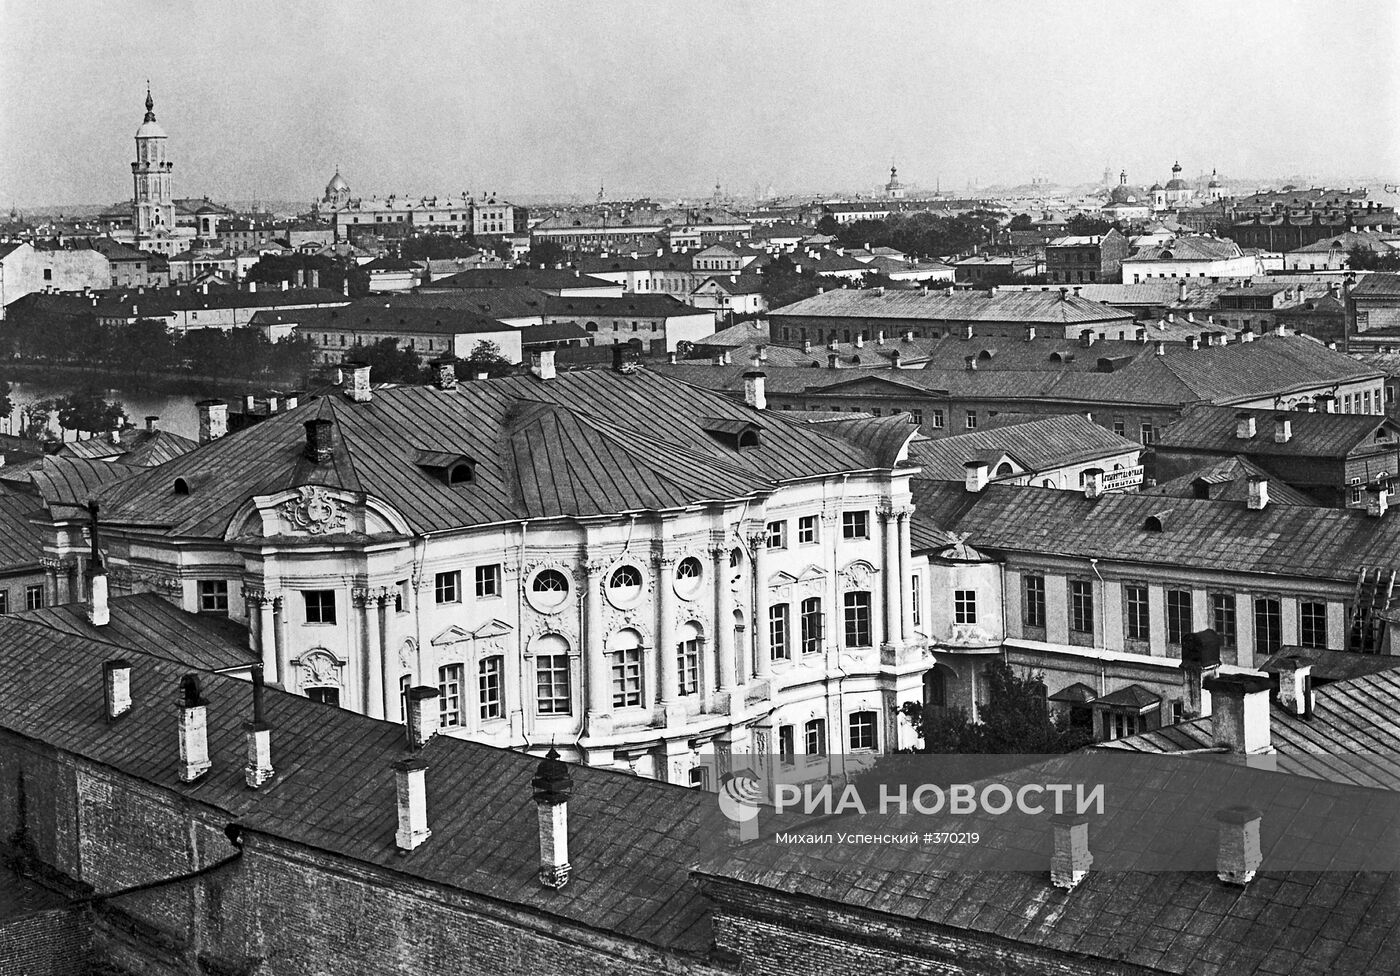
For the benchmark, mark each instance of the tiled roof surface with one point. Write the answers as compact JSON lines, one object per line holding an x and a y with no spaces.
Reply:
{"x":1039,"y":444}
{"x":743,"y":334}
{"x":368,"y":315}
{"x":145,"y":448}
{"x":66,"y":485}
{"x":1030,"y":307}
{"x":1377,"y":285}
{"x":1313,"y":434}
{"x":147,"y":623}
{"x":548,"y":279}
{"x":1228,"y":480}
{"x":1188,"y":248}
{"x":1285,"y":540}
{"x":632,"y":840}
{"x":20,"y":542}
{"x":644,"y":306}
{"x":585,"y":443}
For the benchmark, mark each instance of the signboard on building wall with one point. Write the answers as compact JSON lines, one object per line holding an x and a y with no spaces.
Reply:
{"x":1123,"y":479}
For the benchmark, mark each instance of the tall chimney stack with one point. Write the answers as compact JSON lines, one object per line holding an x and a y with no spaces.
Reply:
{"x":259,"y":735}
{"x":411,"y":786}
{"x":422,"y":716}
{"x":194,"y":732}
{"x":98,"y":610}
{"x":1069,"y":856}
{"x":753,"y":389}
{"x":1244,"y":426}
{"x":320,"y":440}
{"x":1283,"y":428}
{"x":1258,"y":493}
{"x":116,"y":687}
{"x":1295,"y":688}
{"x":444,"y":374}
{"x":1238,"y":856}
{"x":552,"y":787}
{"x":543,"y":365}
{"x":213,"y":420}
{"x":357,"y":382}
{"x":1240,"y":712}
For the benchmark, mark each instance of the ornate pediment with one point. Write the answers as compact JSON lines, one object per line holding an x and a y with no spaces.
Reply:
{"x":452,"y":635}
{"x":492,"y":628}
{"x":315,"y":511}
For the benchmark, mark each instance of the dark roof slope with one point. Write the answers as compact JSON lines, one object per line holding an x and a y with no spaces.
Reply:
{"x":1228,"y":480}
{"x":368,"y":315}
{"x":20,"y":543}
{"x":632,"y":840}
{"x":1030,"y":307}
{"x":547,"y":279}
{"x":585,"y":443}
{"x":1312,"y":434}
{"x":643,"y":306}
{"x":1038,"y":444}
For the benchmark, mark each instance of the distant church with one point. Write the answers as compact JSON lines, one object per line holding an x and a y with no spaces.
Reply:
{"x":155,"y":225}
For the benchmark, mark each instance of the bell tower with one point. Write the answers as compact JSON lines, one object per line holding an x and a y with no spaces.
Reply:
{"x":153,"y":207}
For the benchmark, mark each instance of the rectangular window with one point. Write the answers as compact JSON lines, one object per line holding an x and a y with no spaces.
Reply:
{"x":1312,"y":624}
{"x":972,"y":420}
{"x":4,"y":601}
{"x":552,"y":695}
{"x":1081,"y":607}
{"x":320,"y":606}
{"x":1119,"y":427}
{"x":34,"y":596}
{"x":1178,"y":615}
{"x":1149,"y":434}
{"x":401,"y":596}
{"x":688,"y":659}
{"x":787,"y":744}
{"x":815,"y":734}
{"x":936,"y":419}
{"x":863,"y":731}
{"x":964,"y":606}
{"x":915,"y":601}
{"x":1033,"y":607}
{"x":807,"y":532}
{"x":1139,"y":626}
{"x":404,"y":682}
{"x":488,"y":686}
{"x":488,"y":581}
{"x":699,"y":778}
{"x":916,"y":416}
{"x":447,"y":587}
{"x":857,"y":607}
{"x":1222,"y":618}
{"x":777,"y":535}
{"x":812,"y":625}
{"x":1268,"y":625}
{"x":855,"y":525}
{"x":213,"y":596}
{"x":450,"y":695}
{"x":627,"y":677}
{"x":778,"y":621}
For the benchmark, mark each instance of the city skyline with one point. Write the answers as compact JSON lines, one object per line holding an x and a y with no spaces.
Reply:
{"x":670,"y":101}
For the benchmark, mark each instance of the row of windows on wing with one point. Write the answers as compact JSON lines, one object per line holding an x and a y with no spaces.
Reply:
{"x":1224,"y":619}
{"x":554,"y":692}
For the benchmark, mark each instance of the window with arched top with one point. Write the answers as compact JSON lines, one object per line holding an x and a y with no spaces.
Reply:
{"x":1004,"y":468}
{"x":460,"y":474}
{"x":625,"y":659}
{"x":182,"y":487}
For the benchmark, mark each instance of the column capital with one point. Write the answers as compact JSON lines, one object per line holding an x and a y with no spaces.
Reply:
{"x":51,"y":563}
{"x":758,"y":541}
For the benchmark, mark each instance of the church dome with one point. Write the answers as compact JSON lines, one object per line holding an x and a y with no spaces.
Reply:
{"x":1176,"y":185}
{"x":1155,"y":187}
{"x":337,"y":185}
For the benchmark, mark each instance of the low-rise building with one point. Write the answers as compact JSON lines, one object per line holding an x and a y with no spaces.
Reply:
{"x":1190,"y":257}
{"x":431,"y":332}
{"x":559,"y":282}
{"x":730,"y":296}
{"x":646,"y":319}
{"x":25,"y":269}
{"x":1086,"y":259}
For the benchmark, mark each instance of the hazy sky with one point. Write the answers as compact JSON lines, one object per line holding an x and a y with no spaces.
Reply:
{"x":263,"y":100}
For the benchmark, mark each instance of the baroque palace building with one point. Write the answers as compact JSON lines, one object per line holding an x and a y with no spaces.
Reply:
{"x":643,"y":572}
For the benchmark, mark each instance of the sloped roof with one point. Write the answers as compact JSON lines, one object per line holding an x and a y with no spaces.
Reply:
{"x":498,"y":303}
{"x":66,"y":485}
{"x":1030,"y":307}
{"x":644,"y":306}
{"x":1039,"y":444}
{"x":1228,"y":480}
{"x":1377,"y":285}
{"x":544,"y":278}
{"x":368,"y":315}
{"x":1188,"y":248}
{"x":1313,"y":434}
{"x":585,"y":443}
{"x":145,"y":448}
{"x":20,"y":542}
{"x":632,"y":840}
{"x":1282,"y":540}
{"x":743,"y":334}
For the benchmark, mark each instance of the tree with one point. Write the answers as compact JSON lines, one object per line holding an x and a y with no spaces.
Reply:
{"x":436,"y":247}
{"x":1015,"y":718}
{"x":387,"y":362}
{"x":782,"y":284}
{"x":485,"y":357}
{"x":86,"y":412}
{"x":1021,"y":222}
{"x":545,"y":254}
{"x":1364,"y":259}
{"x":828,"y":226}
{"x":7,"y":406}
{"x":1082,"y":225}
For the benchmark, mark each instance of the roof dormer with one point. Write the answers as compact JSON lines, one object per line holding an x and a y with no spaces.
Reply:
{"x":448,"y":467}
{"x":737,"y":434}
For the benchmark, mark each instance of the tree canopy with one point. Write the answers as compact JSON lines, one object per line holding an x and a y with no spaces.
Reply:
{"x":1014,"y":718}
{"x":87,"y":412}
{"x":388,"y":363}
{"x":1364,"y":259}
{"x":924,"y":234}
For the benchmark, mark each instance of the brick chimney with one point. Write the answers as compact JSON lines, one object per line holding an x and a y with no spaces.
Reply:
{"x":1295,"y":688}
{"x":99,"y":612}
{"x":320,"y":440}
{"x":1283,"y":428}
{"x":1244,"y":426}
{"x":1240,"y":712}
{"x":753,"y":389}
{"x":411,"y":787}
{"x":193,"y":729}
{"x":213,"y":420}
{"x":1258,"y":493}
{"x":423,"y":715}
{"x":116,"y":688}
{"x":356,"y":384}
{"x":1200,"y":657}
{"x":542,"y":364}
{"x":552,"y":787}
{"x":976,"y":475}
{"x":895,"y":358}
{"x":1069,"y":854}
{"x":1377,"y":500}
{"x":444,"y":374}
{"x":1238,"y":857}
{"x":152,"y":422}
{"x":259,"y":738}
{"x":1093,"y":483}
